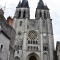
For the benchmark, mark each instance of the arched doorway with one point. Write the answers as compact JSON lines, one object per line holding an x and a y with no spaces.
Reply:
{"x":32,"y":58}
{"x":17,"y":58}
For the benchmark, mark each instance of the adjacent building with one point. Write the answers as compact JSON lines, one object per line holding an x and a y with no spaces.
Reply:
{"x":7,"y":37}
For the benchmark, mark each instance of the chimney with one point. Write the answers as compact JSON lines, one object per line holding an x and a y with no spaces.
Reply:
{"x":9,"y":21}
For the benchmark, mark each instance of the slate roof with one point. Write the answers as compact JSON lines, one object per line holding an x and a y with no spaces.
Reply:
{"x":42,"y":6}
{"x":24,"y":4}
{"x":7,"y":29}
{"x":19,"y":5}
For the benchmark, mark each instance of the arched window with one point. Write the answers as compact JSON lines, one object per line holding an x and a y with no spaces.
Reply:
{"x":20,"y":23}
{"x":45,"y":56}
{"x":45,"y":48}
{"x":40,"y":14}
{"x":24,"y":14}
{"x":19,"y":14}
{"x":28,"y":42}
{"x":36,"y":42}
{"x":1,"y":47}
{"x":44,"y":15}
{"x":17,"y":52}
{"x":33,"y":42}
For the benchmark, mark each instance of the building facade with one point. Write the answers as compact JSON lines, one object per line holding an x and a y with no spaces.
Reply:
{"x":4,"y":46}
{"x":7,"y":35}
{"x":34,"y":37}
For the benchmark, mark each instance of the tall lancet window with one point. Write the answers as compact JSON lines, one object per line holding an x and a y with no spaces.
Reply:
{"x":19,"y":14}
{"x":24,"y":14}
{"x":44,"y":15}
{"x":45,"y":56}
{"x":40,"y":14}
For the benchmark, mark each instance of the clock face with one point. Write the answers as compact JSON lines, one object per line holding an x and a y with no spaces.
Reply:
{"x":32,"y":34}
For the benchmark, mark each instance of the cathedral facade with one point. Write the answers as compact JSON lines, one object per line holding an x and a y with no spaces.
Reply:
{"x":34,"y":37}
{"x":22,"y":38}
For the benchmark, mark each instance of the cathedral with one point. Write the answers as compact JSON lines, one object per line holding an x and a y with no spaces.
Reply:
{"x":28,"y":39}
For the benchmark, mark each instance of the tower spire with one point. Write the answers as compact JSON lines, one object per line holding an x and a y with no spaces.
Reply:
{"x":25,"y":3}
{"x":24,"y":0}
{"x":41,"y":5}
{"x":40,"y":0}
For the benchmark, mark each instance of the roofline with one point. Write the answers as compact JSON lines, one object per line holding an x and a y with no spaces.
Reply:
{"x":5,"y":34}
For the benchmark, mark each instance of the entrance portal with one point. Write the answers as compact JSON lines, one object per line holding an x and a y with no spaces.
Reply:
{"x":32,"y":58}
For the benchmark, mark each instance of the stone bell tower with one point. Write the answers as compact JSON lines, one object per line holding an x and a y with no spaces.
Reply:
{"x":34,"y":37}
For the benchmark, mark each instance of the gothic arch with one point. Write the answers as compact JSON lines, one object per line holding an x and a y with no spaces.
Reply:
{"x":17,"y":58}
{"x":32,"y":55}
{"x":45,"y":56}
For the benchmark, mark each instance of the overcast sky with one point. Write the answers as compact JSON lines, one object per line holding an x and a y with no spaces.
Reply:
{"x":54,"y":6}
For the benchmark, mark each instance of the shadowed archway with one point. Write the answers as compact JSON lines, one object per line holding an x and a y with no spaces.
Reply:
{"x":32,"y":58}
